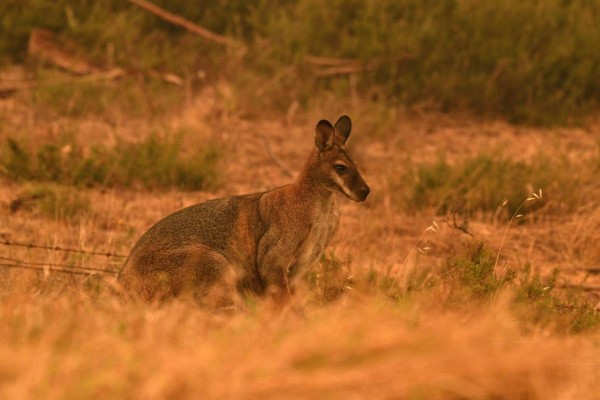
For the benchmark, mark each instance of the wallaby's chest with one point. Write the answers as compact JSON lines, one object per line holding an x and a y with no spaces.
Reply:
{"x":298,"y":228}
{"x":320,"y":230}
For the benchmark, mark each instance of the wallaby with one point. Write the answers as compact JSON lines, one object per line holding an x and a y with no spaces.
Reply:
{"x":221,"y":250}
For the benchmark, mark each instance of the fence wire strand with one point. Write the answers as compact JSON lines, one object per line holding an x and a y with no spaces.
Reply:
{"x":43,"y":265}
{"x":58,"y":248}
{"x":53,"y":269}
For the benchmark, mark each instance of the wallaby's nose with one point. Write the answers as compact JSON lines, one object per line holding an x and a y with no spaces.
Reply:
{"x":363,"y":193}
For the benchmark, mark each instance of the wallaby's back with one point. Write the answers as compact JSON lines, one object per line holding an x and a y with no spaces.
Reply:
{"x":179,"y":243}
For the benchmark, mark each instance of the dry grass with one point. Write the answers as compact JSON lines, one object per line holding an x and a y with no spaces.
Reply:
{"x":64,"y":337}
{"x":71,"y":346}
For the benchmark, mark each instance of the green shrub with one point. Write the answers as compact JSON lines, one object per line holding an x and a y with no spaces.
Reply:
{"x":532,"y":62}
{"x":473,"y":269}
{"x":536,"y":300}
{"x":129,"y":96}
{"x":484,"y":182}
{"x":16,"y":161}
{"x":53,"y":201}
{"x":156,"y":162}
{"x":470,"y":274}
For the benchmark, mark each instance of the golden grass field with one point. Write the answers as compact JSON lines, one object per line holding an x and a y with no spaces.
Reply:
{"x":71,"y":337}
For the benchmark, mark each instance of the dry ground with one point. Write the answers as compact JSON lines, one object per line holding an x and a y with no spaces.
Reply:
{"x":66,"y":337}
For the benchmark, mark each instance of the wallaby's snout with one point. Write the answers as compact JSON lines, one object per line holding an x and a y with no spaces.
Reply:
{"x":363,"y":192}
{"x":359,"y":191}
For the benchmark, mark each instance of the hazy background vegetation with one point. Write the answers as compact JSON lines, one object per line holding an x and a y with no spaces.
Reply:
{"x":534,"y":61}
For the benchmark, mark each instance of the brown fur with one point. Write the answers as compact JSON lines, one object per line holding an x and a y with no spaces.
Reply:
{"x":252,"y":244}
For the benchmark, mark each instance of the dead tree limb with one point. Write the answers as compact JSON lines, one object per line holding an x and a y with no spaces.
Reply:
{"x":186,"y":24}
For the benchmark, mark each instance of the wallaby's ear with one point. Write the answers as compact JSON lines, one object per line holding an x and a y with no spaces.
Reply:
{"x":324,"y":133}
{"x":342,"y":128}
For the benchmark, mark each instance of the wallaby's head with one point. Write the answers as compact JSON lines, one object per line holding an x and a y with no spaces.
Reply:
{"x":334,"y":168}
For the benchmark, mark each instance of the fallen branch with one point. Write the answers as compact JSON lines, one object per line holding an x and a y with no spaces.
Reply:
{"x":44,"y":46}
{"x":587,"y":288}
{"x":185,"y":23}
{"x":330,"y":61}
{"x":168,"y":77}
{"x":327,"y":66}
{"x":590,"y":270}
{"x":345,"y":69}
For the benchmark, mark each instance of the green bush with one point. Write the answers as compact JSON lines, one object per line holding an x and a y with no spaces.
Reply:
{"x":471,"y":275}
{"x":129,"y":97}
{"x":53,"y":201}
{"x":532,"y":61}
{"x":156,"y":162}
{"x":484,"y":182}
{"x":473,"y":269}
{"x":536,"y":299}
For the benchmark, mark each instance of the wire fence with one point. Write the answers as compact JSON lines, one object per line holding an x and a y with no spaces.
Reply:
{"x":72,"y":270}
{"x":9,"y":262}
{"x":58,"y":248}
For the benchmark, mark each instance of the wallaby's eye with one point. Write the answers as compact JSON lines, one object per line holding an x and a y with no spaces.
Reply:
{"x":340,"y":169}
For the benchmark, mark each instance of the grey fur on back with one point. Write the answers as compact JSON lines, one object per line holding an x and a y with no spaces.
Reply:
{"x":209,"y":224}
{"x":218,"y":217}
